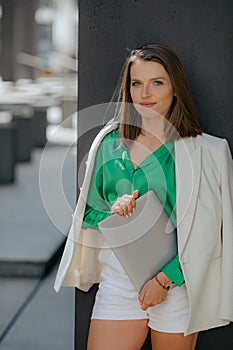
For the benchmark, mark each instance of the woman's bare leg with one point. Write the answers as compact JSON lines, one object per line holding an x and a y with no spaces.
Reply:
{"x":117,"y":335}
{"x":174,"y":341}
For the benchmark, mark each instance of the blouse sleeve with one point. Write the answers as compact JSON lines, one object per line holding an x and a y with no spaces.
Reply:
{"x":96,"y":208}
{"x":173,"y":271}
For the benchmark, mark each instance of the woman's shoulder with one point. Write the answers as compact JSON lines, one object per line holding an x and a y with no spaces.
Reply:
{"x":97,"y":144}
{"x":104,"y":133}
{"x":111,"y":135}
{"x":108,"y":131}
{"x":205,"y":141}
{"x":216,"y":147}
{"x":209,"y":141}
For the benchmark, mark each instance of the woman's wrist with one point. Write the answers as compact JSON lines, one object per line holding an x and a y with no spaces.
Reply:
{"x":163,"y":280}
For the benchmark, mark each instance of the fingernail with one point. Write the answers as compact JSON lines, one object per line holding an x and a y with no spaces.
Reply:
{"x":126,"y":216}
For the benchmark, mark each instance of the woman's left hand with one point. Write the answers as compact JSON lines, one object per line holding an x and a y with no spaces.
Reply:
{"x":152,"y":294}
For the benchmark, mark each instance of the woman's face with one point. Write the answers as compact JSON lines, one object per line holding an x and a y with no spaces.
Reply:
{"x":150,"y":88}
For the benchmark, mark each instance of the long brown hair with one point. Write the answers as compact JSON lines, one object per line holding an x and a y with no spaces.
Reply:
{"x":182,"y":116}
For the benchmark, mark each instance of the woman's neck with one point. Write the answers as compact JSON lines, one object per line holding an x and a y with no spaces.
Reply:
{"x":153,"y":129}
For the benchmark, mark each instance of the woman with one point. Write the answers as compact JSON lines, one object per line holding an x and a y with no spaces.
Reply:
{"x":156,"y":143}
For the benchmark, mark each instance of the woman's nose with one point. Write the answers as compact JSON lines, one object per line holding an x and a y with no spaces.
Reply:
{"x":145,"y":91}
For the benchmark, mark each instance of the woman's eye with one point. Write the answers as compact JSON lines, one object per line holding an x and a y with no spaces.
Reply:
{"x":135,"y":83}
{"x":157,"y":82}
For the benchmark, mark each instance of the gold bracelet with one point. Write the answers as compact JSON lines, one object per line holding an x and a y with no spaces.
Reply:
{"x":161,"y":285}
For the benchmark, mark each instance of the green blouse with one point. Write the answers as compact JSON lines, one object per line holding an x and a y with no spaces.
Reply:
{"x":114,"y":175}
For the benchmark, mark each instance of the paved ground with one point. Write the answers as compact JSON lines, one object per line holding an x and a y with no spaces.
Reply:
{"x":32,"y":229}
{"x":32,"y":315}
{"x":42,"y":319}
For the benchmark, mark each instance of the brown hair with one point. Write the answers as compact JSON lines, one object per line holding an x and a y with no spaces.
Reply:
{"x":183,"y":115}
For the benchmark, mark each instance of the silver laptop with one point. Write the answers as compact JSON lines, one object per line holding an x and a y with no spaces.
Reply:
{"x":144,"y":242}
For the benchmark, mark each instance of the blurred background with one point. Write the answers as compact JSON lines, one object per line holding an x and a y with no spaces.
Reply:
{"x":38,"y":128}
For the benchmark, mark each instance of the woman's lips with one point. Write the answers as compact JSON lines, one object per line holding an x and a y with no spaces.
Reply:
{"x":147,"y":104}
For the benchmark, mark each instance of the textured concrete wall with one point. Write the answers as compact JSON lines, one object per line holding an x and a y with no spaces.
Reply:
{"x":201,"y":32}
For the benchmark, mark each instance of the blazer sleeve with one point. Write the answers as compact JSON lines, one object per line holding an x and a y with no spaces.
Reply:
{"x":96,"y":208}
{"x":226,"y":306}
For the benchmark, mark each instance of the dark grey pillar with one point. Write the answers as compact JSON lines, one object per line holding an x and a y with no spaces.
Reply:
{"x":202,"y":35}
{"x":7,"y":153}
{"x":18,"y":35}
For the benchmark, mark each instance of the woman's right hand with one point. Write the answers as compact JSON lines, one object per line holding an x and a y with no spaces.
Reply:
{"x":125,"y":205}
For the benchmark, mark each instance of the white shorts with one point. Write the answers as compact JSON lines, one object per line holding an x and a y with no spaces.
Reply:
{"x":117,"y":299}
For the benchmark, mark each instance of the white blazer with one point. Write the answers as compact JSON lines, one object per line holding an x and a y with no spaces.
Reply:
{"x":204,"y":204}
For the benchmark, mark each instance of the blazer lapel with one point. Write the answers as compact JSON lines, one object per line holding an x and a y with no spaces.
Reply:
{"x":188,"y":169}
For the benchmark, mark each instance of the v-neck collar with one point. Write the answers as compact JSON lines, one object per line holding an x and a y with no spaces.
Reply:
{"x":166,"y":147}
